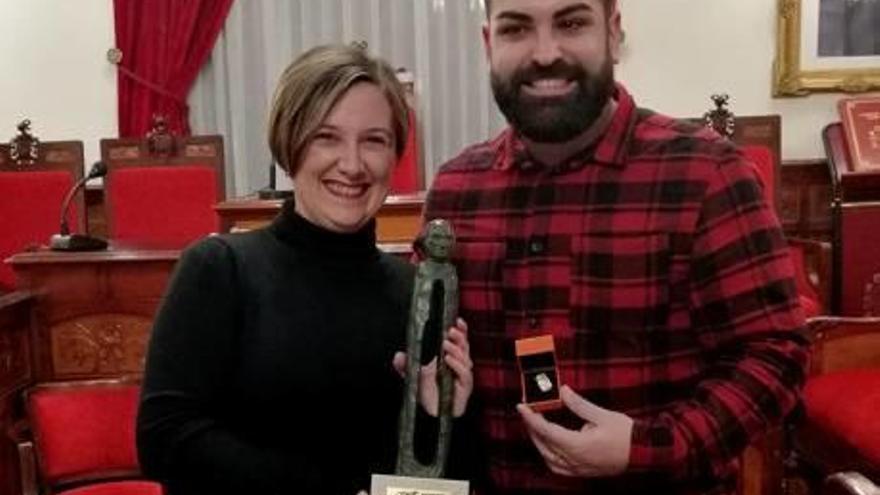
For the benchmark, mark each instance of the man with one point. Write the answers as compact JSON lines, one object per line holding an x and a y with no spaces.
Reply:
{"x":643,"y":245}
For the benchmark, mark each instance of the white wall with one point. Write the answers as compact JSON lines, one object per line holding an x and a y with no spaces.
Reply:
{"x":678,"y":52}
{"x":55,"y":71}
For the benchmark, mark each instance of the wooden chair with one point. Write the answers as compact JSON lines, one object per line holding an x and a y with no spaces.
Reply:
{"x":838,"y":430}
{"x":162,"y":189}
{"x":34,"y":178}
{"x":760,"y":139}
{"x":79,"y":439}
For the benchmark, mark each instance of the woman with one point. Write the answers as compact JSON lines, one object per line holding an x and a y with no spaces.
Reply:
{"x":270,"y":365}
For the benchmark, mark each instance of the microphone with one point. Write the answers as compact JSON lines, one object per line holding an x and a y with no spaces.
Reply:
{"x":64,"y":240}
{"x":270,"y":192}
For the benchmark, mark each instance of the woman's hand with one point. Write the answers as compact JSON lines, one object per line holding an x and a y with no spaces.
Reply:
{"x":457,"y":354}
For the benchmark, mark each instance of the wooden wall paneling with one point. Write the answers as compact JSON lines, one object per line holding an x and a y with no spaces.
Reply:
{"x":805,"y":199}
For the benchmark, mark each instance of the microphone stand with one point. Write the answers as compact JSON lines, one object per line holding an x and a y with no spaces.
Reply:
{"x":270,"y":192}
{"x":64,"y":240}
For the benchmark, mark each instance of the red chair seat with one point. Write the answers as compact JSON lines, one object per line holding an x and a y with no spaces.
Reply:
{"x":117,"y":488}
{"x":845,"y":405}
{"x":81,"y":430}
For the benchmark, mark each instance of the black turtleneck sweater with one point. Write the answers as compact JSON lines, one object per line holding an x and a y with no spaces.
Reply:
{"x":269,"y":367}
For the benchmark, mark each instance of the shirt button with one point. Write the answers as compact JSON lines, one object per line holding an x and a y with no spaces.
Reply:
{"x":536,"y":246}
{"x":533,"y":322}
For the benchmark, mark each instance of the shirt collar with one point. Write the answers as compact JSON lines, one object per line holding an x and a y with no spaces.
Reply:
{"x":610,"y":149}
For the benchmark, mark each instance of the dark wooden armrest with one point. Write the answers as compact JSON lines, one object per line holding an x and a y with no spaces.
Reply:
{"x":843,"y":343}
{"x":12,"y":299}
{"x":19,"y":433}
{"x":849,"y":483}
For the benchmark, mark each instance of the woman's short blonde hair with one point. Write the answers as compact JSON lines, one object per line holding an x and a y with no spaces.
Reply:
{"x":312,"y":84}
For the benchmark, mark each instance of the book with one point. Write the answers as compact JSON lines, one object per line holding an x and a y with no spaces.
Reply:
{"x":860,"y":117}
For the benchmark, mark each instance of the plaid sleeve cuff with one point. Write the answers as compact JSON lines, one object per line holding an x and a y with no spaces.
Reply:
{"x":655,"y":449}
{"x":642,"y":455}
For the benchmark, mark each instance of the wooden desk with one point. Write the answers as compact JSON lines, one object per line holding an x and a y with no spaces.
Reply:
{"x":15,"y":375}
{"x":93,"y":311}
{"x":397,"y":223}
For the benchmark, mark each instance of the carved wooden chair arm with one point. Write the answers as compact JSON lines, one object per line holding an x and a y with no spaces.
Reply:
{"x":849,"y":483}
{"x":19,"y":433}
{"x":840,"y":343}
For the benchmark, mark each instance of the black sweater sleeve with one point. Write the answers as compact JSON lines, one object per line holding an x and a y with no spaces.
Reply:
{"x":181,"y":437}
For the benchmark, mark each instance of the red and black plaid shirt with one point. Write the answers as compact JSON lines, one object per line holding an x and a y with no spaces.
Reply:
{"x":655,"y":261}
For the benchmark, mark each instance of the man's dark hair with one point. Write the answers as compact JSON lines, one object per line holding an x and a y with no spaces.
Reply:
{"x":605,"y":3}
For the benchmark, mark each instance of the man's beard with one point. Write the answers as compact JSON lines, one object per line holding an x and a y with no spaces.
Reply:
{"x":554,"y":119}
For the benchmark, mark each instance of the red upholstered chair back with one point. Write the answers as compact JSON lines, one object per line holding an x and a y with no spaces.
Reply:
{"x":164,"y":196}
{"x":760,"y":139}
{"x":166,"y":204}
{"x":405,"y":178}
{"x":32,"y":188}
{"x":766,"y":164}
{"x":84,"y":431}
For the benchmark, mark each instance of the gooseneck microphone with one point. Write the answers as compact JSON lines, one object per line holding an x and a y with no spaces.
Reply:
{"x":64,"y":240}
{"x":270,"y":192}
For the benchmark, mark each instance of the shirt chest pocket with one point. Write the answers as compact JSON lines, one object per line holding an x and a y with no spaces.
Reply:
{"x":619,"y":283}
{"x":479,"y":266}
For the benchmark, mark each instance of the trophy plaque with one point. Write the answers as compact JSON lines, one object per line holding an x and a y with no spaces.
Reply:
{"x":539,"y":374}
{"x":434,"y":306}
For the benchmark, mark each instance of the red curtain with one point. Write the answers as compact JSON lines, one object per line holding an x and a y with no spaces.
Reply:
{"x":164,"y":44}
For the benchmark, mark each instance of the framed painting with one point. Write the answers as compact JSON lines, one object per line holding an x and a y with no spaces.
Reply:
{"x":827,"y":45}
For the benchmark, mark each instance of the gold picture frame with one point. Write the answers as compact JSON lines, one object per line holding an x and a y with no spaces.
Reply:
{"x":790,"y":78}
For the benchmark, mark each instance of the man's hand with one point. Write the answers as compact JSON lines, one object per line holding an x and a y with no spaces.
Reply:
{"x":457,"y":354}
{"x":600,"y":448}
